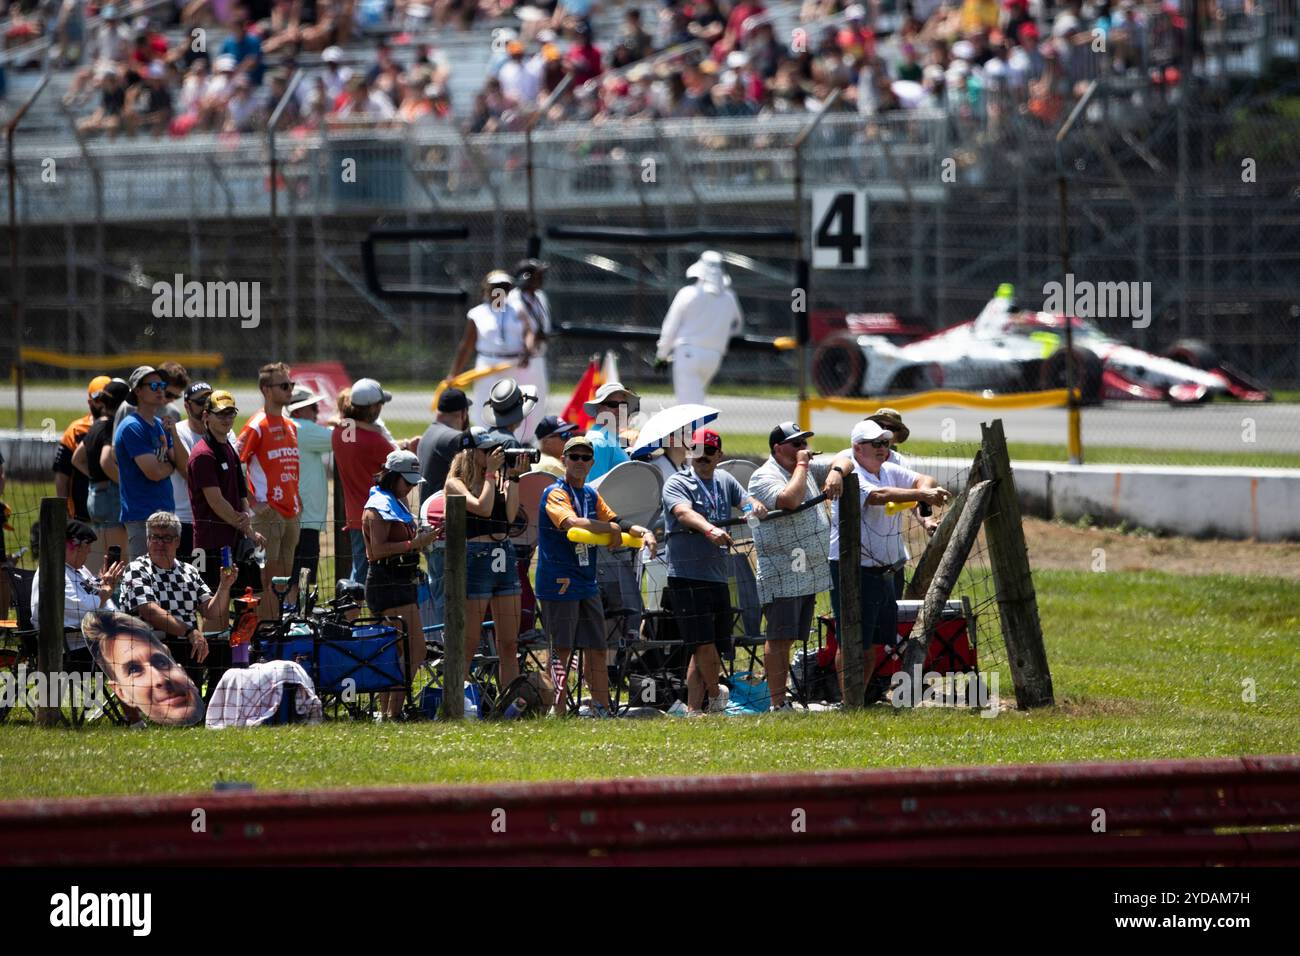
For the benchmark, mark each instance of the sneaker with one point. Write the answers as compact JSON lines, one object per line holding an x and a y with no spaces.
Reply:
{"x":697,"y":713}
{"x":718,"y":705}
{"x":600,"y":710}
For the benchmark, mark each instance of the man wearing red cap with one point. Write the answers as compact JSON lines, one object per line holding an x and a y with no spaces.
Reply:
{"x":696,"y":502}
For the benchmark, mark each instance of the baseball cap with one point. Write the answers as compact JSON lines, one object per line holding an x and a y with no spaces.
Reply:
{"x":97,"y":385}
{"x":578,"y":441}
{"x":220,"y":401}
{"x":553,"y":425}
{"x":117,"y":390}
{"x":498,"y":277}
{"x":404,"y":463}
{"x":703,"y":437}
{"x":78,"y":530}
{"x":452,"y":400}
{"x":486,"y":438}
{"x":786,"y":431}
{"x":868,"y":430}
{"x":366,"y":391}
{"x":140,"y":374}
{"x":197,"y":389}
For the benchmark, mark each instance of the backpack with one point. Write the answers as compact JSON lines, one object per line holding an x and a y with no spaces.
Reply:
{"x":537,"y":697}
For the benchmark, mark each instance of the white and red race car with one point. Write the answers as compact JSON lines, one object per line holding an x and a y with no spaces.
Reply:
{"x":1006,"y":349}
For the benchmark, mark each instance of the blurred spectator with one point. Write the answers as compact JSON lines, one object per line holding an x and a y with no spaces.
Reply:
{"x":520,"y":81}
{"x":583,"y":59}
{"x":107,"y":117}
{"x":148,"y":104}
{"x":246,"y":50}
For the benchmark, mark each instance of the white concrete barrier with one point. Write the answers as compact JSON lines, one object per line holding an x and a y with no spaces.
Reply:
{"x":1240,"y":503}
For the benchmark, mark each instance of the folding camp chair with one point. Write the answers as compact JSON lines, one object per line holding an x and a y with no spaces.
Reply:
{"x":360,"y":659}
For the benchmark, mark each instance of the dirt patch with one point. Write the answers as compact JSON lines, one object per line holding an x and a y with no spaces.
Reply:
{"x":1066,"y":547}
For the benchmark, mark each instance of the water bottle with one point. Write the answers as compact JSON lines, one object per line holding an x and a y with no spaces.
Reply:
{"x":260,"y":557}
{"x":751,"y":519}
{"x":516,"y":709}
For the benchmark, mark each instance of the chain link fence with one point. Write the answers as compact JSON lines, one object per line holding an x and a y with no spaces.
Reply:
{"x":1199,"y":208}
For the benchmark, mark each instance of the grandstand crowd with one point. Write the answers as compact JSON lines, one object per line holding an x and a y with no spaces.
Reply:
{"x":138,"y":68}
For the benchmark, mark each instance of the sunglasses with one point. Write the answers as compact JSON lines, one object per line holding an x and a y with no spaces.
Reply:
{"x":156,"y":386}
{"x":163,"y":538}
{"x":879,"y":443}
{"x":288,"y":385}
{"x":709,"y":451}
{"x":581,"y":457}
{"x":224,"y":413}
{"x":796,"y":443}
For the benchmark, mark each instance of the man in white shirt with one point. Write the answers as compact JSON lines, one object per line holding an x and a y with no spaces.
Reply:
{"x":519,"y":82}
{"x":82,"y":591}
{"x":793,"y":552}
{"x":880,"y":481}
{"x":700,"y":323}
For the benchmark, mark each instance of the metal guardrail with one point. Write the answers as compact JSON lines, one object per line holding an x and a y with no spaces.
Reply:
{"x":1226,"y":811}
{"x":726,"y":158}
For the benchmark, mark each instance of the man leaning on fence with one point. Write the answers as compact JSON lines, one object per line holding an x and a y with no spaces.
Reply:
{"x":147,"y":454}
{"x":880,"y":482}
{"x":793,"y":552}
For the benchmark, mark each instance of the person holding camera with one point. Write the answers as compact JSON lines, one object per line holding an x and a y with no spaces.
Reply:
{"x":479,"y":474}
{"x":393,"y":546}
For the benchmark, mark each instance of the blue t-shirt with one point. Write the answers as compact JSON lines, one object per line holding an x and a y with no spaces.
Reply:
{"x":240,"y":50}
{"x":692,"y":555}
{"x":561,"y":574}
{"x":140,"y":495}
{"x":607,"y":451}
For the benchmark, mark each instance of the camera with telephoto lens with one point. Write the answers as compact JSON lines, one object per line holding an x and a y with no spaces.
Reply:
{"x":521,"y":454}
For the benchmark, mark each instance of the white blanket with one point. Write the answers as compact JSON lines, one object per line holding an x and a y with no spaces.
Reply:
{"x":249,"y":696}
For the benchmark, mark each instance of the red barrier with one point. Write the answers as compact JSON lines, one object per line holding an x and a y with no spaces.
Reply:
{"x":1162,"y":812}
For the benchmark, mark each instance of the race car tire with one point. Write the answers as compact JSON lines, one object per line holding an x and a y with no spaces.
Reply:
{"x":838,"y":367}
{"x":1087,"y":368}
{"x":1193,"y":352}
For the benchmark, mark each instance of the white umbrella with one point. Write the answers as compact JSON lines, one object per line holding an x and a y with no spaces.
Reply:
{"x":670,"y":421}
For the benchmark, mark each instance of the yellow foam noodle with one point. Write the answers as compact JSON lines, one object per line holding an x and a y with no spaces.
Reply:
{"x":894,"y":507}
{"x":465,"y":379}
{"x":784,"y":343}
{"x":583,"y":536}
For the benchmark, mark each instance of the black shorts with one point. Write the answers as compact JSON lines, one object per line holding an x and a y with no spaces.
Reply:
{"x":700,"y":611}
{"x":388,"y":588}
{"x":790,"y":618}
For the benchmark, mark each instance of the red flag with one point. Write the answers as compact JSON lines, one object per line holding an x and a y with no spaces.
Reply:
{"x":587,"y":385}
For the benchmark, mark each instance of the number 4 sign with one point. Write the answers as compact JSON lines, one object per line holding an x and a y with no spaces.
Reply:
{"x":839,"y":229}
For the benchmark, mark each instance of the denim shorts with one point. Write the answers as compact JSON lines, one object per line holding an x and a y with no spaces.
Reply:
{"x":104,"y":503}
{"x":481,"y":581}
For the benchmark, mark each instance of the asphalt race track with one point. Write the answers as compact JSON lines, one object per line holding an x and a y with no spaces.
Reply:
{"x":1221,"y":427}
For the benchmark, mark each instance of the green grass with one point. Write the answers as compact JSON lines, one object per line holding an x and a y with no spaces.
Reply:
{"x":1144,"y":666}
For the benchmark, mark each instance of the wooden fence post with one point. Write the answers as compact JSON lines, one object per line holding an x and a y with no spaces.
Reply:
{"x":453,"y":631}
{"x":49,"y":648}
{"x":966,"y":529}
{"x":1012,"y":579}
{"x":849,"y":626}
{"x":928,"y":563}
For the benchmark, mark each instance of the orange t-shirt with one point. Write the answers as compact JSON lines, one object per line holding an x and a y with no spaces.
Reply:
{"x":268,"y":447}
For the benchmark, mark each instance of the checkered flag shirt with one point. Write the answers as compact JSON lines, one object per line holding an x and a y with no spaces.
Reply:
{"x":180,"y":591}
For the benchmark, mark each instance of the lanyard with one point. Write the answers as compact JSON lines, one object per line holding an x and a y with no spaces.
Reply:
{"x":712,"y":498}
{"x":581,"y":509}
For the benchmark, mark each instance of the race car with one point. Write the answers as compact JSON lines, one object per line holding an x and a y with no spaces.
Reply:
{"x":1008,"y":349}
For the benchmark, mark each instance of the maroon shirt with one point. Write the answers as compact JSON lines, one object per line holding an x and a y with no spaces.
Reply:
{"x":215,"y":468}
